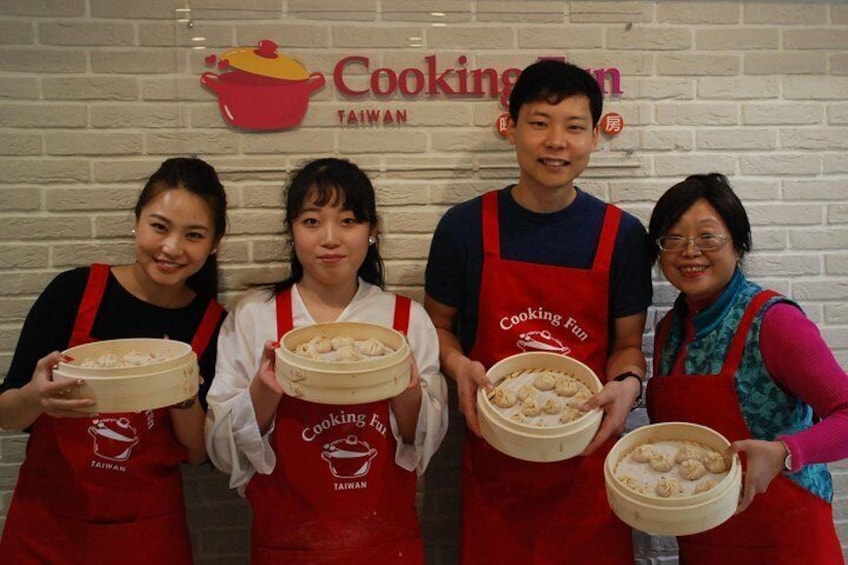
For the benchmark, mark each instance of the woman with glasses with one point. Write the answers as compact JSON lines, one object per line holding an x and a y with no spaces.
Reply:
{"x":748,"y":363}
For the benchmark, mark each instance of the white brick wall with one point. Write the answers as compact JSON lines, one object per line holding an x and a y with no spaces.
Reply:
{"x":95,"y":93}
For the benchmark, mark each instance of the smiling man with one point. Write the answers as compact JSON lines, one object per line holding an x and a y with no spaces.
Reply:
{"x":581,"y":267}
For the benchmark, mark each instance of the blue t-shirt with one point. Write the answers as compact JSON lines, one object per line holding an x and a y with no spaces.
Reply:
{"x":567,"y":238}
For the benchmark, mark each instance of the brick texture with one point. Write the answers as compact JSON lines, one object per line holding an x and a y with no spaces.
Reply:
{"x":94,"y":94}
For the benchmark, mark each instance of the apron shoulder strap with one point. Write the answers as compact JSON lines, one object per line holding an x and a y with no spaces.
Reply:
{"x":737,"y":344}
{"x":207,"y":326}
{"x":98,"y":277}
{"x":283,"y":303}
{"x":491,"y":225}
{"x":606,"y":244}
{"x":660,"y":339}
{"x":403,"y":310}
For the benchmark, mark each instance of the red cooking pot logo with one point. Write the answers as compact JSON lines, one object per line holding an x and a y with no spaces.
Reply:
{"x":265,"y":90}
{"x":348,"y":458}
{"x":113,"y":438}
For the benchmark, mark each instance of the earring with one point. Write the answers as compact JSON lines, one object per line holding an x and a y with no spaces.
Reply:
{"x":213,"y":252}
{"x":132,"y":231}
{"x":372,"y":240}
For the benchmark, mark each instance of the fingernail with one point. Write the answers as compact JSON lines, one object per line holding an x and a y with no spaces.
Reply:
{"x":67,"y":358}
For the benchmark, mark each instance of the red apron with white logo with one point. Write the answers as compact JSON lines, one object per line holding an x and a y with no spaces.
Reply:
{"x":336,"y":494}
{"x":787,"y":524}
{"x":104,"y":490}
{"x":526,"y":512}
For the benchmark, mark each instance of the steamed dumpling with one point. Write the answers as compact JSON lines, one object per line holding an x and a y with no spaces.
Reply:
{"x":566,"y":387}
{"x":631,"y":482}
{"x":531,"y":408}
{"x":321,"y":344}
{"x":643,"y":453}
{"x":504,"y":398}
{"x":551,"y":406}
{"x":347,"y":353}
{"x":704,"y":486}
{"x":661,"y":463}
{"x":545,"y":381}
{"x":668,"y":487}
{"x":688,"y":452}
{"x":569,"y":414}
{"x":692,"y":469}
{"x":526,"y":392}
{"x":580,"y":398}
{"x":714,"y":462}
{"x":372,"y":348}
{"x":341,"y":341}
{"x":304,"y":350}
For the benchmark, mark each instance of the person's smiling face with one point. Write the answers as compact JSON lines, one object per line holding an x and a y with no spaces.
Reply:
{"x":699,"y":274}
{"x":553,"y":143}
{"x":175,"y":233}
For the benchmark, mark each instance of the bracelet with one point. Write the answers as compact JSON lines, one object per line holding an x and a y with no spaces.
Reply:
{"x":627,"y":375}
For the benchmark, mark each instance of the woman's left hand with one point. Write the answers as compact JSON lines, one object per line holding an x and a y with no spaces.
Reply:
{"x":764,"y":461}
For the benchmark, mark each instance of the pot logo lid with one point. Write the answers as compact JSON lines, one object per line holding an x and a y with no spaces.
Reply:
{"x":265,"y":61}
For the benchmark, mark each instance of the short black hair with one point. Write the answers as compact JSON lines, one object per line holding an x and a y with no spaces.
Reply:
{"x":553,"y":81}
{"x":715,"y":189}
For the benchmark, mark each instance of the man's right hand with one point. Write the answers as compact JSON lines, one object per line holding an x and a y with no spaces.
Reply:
{"x":470,"y":376}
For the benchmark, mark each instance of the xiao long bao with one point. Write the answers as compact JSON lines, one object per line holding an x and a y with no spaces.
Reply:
{"x":343,"y":363}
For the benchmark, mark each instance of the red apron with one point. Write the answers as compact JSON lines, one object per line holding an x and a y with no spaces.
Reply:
{"x":785,"y":525}
{"x":336,"y":494}
{"x":104,"y":490}
{"x":525,"y":512}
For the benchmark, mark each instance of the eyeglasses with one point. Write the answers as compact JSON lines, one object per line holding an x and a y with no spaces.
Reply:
{"x":705,"y":242}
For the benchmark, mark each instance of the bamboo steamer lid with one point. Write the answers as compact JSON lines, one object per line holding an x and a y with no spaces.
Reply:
{"x":673,"y":516}
{"x":172,"y":379}
{"x":343,"y":382}
{"x":533,"y":443}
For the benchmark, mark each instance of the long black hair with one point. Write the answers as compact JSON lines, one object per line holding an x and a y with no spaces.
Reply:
{"x":198,"y":177}
{"x":715,"y":189}
{"x":335,"y":182}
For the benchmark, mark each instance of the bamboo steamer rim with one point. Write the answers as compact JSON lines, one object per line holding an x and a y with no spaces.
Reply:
{"x":137,"y":387}
{"x":176,"y":353}
{"x":343,"y":382}
{"x":364,"y":330}
{"x":671,"y":431}
{"x":542,"y":360}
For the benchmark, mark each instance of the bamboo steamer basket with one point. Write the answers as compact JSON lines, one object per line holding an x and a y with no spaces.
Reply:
{"x":343,"y":382}
{"x":533,"y":443}
{"x":132,"y":389}
{"x":674,"y":516}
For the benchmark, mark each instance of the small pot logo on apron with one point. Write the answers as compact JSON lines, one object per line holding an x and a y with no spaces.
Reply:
{"x":541,"y":340}
{"x":113,"y":438}
{"x":348,"y":458}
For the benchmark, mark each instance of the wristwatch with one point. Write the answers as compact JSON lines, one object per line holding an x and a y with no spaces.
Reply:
{"x":631,"y":374}
{"x":787,"y":462}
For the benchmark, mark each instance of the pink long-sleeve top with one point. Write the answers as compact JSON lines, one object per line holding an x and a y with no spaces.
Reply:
{"x":798,"y":359}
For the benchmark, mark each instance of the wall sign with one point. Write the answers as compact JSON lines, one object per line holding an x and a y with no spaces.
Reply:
{"x":259,"y":88}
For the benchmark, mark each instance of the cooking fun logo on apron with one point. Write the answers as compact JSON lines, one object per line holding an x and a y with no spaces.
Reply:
{"x":114,"y":439}
{"x":543,"y":340}
{"x":349,"y":457}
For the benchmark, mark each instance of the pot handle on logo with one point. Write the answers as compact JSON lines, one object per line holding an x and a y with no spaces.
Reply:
{"x":315,"y":81}
{"x":211,"y":81}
